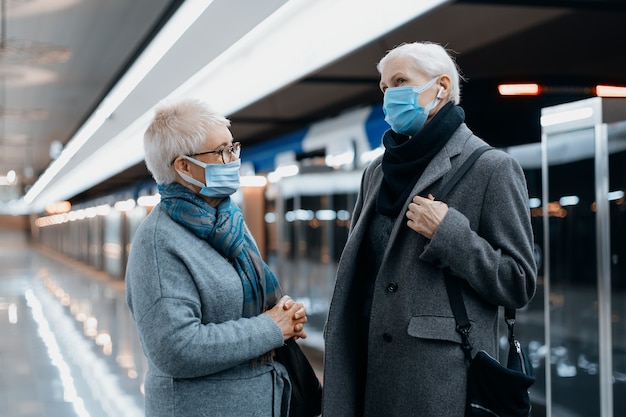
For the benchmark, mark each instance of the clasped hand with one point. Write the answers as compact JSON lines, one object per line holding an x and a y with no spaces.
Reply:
{"x":290,"y":317}
{"x":425,"y":215}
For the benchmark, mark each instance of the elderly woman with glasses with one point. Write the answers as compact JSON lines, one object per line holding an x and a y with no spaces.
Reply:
{"x":208,"y":309}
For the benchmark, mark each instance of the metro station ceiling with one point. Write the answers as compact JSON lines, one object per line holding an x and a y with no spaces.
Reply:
{"x":59,"y":58}
{"x":565,"y":49}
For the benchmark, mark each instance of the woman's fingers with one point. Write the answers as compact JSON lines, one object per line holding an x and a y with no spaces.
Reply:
{"x":287,"y":302}
{"x":290,"y":316}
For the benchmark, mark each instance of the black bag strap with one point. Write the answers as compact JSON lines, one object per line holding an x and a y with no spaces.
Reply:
{"x":453,"y":286}
{"x":467,"y":164}
{"x":457,"y":305}
{"x":463,"y":325}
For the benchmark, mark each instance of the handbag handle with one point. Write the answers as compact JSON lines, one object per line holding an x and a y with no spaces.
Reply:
{"x":453,"y":287}
{"x":463,"y":325}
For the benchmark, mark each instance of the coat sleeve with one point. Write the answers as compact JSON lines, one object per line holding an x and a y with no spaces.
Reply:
{"x":497,"y":260}
{"x":165,"y":303}
{"x":181,"y":346}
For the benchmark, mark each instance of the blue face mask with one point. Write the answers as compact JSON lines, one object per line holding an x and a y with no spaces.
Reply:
{"x":401,"y":110}
{"x":221,"y":180}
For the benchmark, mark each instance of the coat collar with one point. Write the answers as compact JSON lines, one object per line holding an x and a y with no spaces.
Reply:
{"x":442,"y":162}
{"x":436,"y":169}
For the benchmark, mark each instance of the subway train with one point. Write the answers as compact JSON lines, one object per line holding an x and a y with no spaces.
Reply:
{"x":297,"y":195}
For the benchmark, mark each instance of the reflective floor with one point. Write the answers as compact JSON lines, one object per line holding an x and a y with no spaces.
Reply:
{"x":51,"y":364}
{"x":68,"y":346}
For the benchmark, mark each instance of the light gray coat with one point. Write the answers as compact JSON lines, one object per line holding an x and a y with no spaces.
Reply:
{"x":415,"y":363}
{"x":187,"y":301}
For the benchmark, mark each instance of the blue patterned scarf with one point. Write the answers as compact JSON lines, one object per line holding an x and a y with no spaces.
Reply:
{"x":224,"y":229}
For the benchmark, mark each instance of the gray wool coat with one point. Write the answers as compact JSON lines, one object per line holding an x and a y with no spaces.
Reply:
{"x":415,"y":363}
{"x":187,"y":301}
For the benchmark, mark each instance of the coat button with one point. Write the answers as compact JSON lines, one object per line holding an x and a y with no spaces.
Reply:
{"x":392,"y":287}
{"x":387,"y":337}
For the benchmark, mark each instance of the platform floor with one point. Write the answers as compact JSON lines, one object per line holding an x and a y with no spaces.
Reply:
{"x":67,"y":343}
{"x":50,"y":367}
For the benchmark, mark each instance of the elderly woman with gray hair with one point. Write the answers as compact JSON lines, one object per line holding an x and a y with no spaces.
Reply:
{"x":208,"y":309}
{"x":391,"y":343}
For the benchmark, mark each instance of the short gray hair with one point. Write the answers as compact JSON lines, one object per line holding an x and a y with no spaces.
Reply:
{"x":177,"y":129}
{"x":432,"y":60}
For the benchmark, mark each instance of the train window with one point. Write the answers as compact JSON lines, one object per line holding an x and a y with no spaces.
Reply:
{"x":312,"y":242}
{"x":287,"y":242}
{"x":95,"y":241}
{"x":112,"y":247}
{"x":343,"y":205}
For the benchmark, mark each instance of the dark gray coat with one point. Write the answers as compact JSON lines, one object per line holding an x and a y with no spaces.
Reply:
{"x":415,"y":363}
{"x":187,"y":302}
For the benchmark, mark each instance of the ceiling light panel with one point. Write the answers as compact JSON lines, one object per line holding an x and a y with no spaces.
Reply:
{"x":266,"y":45}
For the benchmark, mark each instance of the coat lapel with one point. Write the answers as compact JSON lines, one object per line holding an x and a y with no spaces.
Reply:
{"x":441,"y":163}
{"x":438,"y":167}
{"x":369,"y":202}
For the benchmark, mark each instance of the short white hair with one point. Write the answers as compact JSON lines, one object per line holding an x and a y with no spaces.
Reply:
{"x":432,"y":60}
{"x":177,"y":129}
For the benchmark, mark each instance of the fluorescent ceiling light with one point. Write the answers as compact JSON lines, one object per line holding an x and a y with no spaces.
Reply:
{"x":125,"y":205}
{"x":326,"y":215}
{"x":344,"y":158}
{"x":519,"y":89}
{"x":569,"y":200}
{"x":283,"y":171}
{"x":182,"y":20}
{"x":566,"y":116}
{"x":178,"y":24}
{"x":534,"y":202}
{"x":299,"y":38}
{"x":149,"y":200}
{"x":610,"y":91}
{"x":616,"y":195}
{"x":94,"y":168}
{"x":7,"y":180}
{"x":369,"y":156}
{"x":299,"y":214}
{"x":343,"y":215}
{"x":58,"y":207}
{"x":253,"y":181}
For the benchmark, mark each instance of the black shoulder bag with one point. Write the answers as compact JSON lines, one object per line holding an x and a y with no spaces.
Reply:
{"x":306,"y":390}
{"x":492,"y":389}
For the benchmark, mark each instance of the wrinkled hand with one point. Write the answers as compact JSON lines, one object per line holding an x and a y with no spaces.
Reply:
{"x":290,"y":317}
{"x":425,"y":215}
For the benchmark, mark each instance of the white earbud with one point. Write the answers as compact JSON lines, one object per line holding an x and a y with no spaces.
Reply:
{"x":441,"y":89}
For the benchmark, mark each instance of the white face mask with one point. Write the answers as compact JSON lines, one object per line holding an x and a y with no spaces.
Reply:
{"x":221,"y":180}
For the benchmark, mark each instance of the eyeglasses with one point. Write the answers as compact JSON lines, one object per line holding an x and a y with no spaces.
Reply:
{"x":228,"y":153}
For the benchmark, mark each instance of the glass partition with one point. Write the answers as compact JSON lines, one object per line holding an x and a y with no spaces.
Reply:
{"x":570,"y":213}
{"x":583,"y":176}
{"x":617,"y":213}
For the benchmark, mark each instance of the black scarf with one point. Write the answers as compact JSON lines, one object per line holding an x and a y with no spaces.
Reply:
{"x":405,"y":158}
